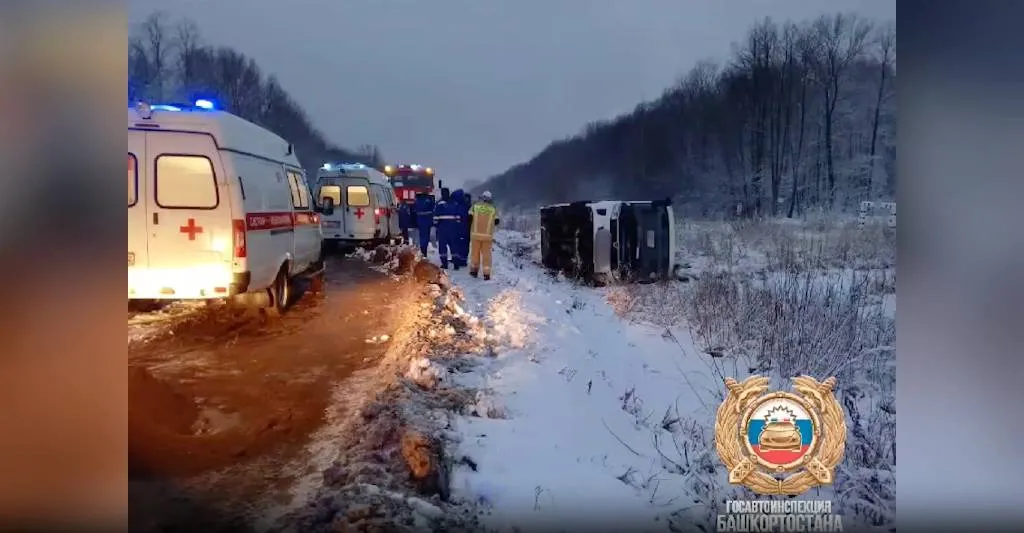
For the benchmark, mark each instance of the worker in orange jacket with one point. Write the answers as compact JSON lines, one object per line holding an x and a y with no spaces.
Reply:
{"x":483,"y":218}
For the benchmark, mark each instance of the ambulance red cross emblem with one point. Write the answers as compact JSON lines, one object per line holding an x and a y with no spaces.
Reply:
{"x":359,"y":213}
{"x":191,"y":229}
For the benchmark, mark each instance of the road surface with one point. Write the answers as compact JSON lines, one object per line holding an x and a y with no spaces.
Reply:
{"x":223,"y":406}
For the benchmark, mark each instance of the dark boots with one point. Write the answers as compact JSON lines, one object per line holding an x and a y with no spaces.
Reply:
{"x":473,"y":273}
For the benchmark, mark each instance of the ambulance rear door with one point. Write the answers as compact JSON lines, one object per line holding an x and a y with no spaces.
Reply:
{"x":358,"y":208}
{"x":138,"y":230}
{"x":330,"y":188}
{"x":189,"y":215}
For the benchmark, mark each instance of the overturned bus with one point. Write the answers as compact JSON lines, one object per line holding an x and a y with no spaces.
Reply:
{"x":601,"y":242}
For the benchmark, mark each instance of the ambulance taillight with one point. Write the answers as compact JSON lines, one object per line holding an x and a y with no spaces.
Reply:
{"x":238,"y":237}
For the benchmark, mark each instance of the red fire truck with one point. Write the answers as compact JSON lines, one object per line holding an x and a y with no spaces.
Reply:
{"x":409,"y":180}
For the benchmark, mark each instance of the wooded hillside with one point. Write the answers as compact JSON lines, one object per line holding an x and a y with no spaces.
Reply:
{"x":803,"y":116}
{"x":168,"y":62}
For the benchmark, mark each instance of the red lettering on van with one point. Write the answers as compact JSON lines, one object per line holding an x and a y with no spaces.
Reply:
{"x":268,"y":221}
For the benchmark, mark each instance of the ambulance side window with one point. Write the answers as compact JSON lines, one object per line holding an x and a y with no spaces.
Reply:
{"x":133,"y":179}
{"x":185,"y":182}
{"x":293,"y":189}
{"x":300,"y":195}
{"x":378,"y":193}
{"x":300,"y":180}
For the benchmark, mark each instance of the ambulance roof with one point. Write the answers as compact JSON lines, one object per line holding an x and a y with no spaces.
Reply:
{"x":356,"y":170}
{"x":230,"y":132}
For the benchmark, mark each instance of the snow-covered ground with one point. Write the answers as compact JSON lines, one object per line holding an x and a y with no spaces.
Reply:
{"x":599,"y":404}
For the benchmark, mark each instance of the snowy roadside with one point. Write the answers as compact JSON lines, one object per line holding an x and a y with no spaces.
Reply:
{"x":381,"y":462}
{"x":584,"y":408}
{"x":597,"y":405}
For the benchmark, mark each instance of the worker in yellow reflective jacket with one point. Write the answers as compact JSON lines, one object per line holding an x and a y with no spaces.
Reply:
{"x":483,"y":217}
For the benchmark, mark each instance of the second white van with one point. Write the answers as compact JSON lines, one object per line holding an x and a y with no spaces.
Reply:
{"x":358,"y":204}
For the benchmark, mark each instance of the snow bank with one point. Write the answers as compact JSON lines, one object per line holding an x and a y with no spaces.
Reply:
{"x":382,"y":465}
{"x":587,"y":398}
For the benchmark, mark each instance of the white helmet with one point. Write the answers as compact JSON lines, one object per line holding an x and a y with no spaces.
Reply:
{"x":486,"y":195}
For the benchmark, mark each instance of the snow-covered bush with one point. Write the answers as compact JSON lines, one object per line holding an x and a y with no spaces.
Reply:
{"x":793,"y":322}
{"x":521,"y":221}
{"x":788,"y":245}
{"x":521,"y":247}
{"x":661,"y":304}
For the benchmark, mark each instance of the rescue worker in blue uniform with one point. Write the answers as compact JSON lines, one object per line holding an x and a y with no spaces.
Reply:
{"x":469,"y":207}
{"x":460,"y":249}
{"x":404,"y":220}
{"x":447,"y":221}
{"x":424,"y":219}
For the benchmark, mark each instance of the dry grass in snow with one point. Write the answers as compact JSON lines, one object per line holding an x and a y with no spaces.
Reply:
{"x":787,"y":246}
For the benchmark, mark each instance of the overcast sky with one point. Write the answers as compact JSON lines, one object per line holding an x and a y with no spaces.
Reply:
{"x":472,"y":87}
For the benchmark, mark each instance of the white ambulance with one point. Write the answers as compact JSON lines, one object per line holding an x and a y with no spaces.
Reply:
{"x":218,"y":208}
{"x":363,"y":205}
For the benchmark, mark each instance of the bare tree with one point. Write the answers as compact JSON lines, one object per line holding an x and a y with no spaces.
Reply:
{"x":842,"y":39}
{"x":886,"y":43}
{"x":139,"y":72}
{"x":158,"y":47}
{"x":804,"y":46}
{"x":189,"y":47}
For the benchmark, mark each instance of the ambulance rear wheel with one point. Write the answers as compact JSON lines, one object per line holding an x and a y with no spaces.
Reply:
{"x":280,"y":293}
